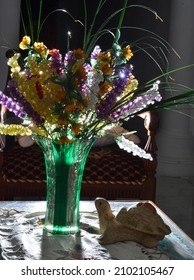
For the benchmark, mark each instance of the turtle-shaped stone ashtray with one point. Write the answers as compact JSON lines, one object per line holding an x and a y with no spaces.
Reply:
{"x":140,"y":223}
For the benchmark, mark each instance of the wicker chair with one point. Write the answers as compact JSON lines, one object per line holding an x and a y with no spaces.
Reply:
{"x":109,"y":171}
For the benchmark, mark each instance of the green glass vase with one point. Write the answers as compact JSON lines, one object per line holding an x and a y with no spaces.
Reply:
{"x":64,"y":171}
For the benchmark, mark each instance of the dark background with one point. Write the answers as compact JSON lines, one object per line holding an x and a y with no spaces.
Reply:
{"x":54,"y":32}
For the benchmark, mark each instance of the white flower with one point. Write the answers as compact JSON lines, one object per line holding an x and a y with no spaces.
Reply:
{"x":130,"y":147}
{"x":93,"y":81}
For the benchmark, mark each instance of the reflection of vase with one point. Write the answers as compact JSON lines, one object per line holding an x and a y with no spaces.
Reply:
{"x":64,"y":170}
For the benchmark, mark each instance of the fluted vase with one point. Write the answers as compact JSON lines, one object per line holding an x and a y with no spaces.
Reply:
{"x":64,"y":171}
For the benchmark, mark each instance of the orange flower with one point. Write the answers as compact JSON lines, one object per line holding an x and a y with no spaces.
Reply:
{"x":127,"y":52}
{"x":64,"y":140}
{"x":79,"y":106}
{"x":82,"y":72}
{"x":69,"y":108}
{"x":53,"y":51}
{"x":76,"y":128}
{"x":25,"y":43}
{"x":62,"y":122}
{"x":79,"y":70}
{"x":60,"y":95}
{"x":73,"y":107}
{"x":105,"y":56}
{"x":40,"y":48}
{"x":79,"y":54}
{"x":105,"y":87}
{"x":39,"y":90}
{"x":105,"y":68}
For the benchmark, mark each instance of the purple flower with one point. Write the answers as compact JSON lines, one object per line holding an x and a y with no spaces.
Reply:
{"x":23,"y":103}
{"x":87,"y":67}
{"x":136,"y":105}
{"x":69,"y":56}
{"x":105,"y":107}
{"x":95,"y":53}
{"x":56,"y":59}
{"x":11,"y":105}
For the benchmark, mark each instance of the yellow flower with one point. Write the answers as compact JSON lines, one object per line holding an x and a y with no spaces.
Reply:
{"x":14,"y":129}
{"x":40,"y":131}
{"x":24,"y":44}
{"x":131,"y":86}
{"x":13,"y":63}
{"x":127,"y":52}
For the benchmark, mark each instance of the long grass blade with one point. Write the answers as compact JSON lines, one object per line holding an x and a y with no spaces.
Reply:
{"x":117,"y":36}
{"x":85,"y":23}
{"x":30,"y":19}
{"x":23,"y":22}
{"x":56,"y":11}
{"x":39,"y":20}
{"x":93,"y":39}
{"x":89,"y":33}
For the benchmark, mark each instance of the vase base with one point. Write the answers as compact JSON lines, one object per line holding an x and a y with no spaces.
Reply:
{"x":62,"y":230}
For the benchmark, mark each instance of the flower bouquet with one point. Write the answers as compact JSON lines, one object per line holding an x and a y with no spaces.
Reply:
{"x":67,"y":100}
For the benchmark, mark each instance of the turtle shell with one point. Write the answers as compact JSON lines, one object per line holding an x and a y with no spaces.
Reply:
{"x":143,"y":218}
